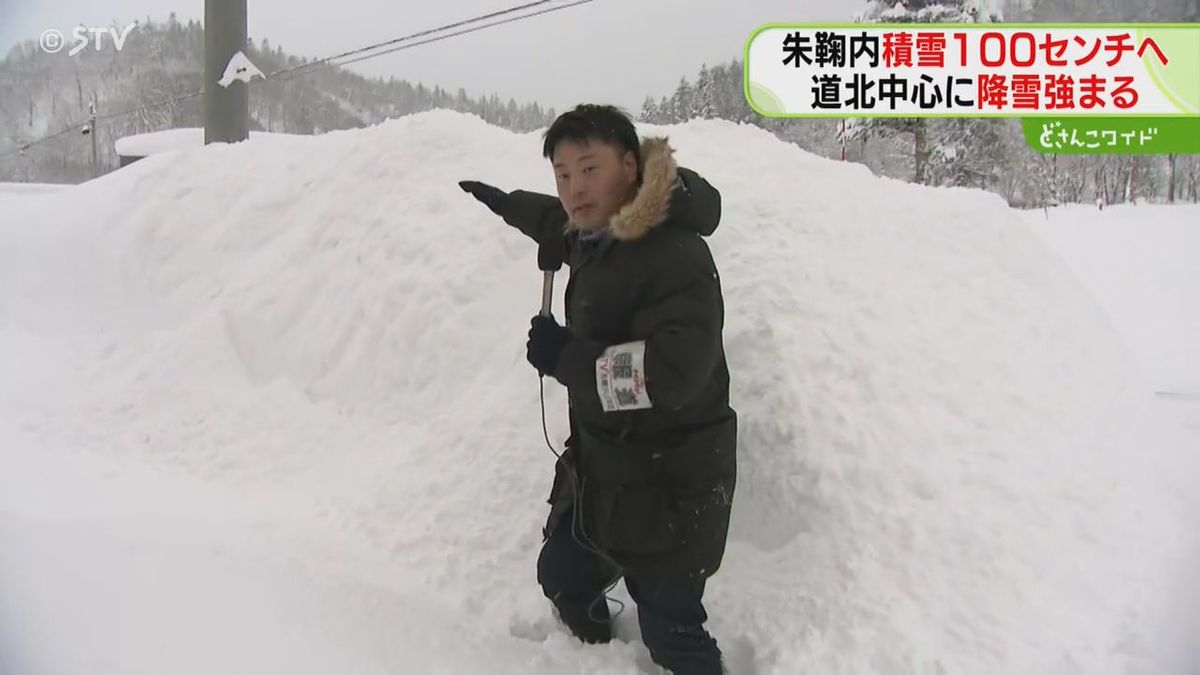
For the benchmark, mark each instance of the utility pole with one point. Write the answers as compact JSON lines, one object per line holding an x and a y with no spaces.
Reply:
{"x":226,"y":109}
{"x":92,"y":133}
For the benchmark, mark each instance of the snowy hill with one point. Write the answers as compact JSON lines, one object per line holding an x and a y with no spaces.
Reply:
{"x":290,"y":374}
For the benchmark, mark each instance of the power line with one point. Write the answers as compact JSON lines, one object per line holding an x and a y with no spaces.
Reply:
{"x":148,"y":106}
{"x":324,"y":65}
{"x":361,"y":54}
{"x":431,"y":31}
{"x":151,"y":106}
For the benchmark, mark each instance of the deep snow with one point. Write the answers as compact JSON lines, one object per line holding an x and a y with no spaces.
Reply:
{"x":1142,"y":264}
{"x":295,"y":366}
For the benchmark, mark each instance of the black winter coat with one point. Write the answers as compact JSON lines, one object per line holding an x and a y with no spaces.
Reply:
{"x":653,"y":438}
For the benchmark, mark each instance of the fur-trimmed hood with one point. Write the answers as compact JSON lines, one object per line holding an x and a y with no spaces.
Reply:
{"x":668,"y":192}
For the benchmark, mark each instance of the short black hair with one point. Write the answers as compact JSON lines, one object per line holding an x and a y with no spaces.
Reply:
{"x":589,"y":121}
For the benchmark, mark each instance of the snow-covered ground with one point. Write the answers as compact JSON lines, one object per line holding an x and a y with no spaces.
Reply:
{"x":1143,"y":265}
{"x":264,"y":408}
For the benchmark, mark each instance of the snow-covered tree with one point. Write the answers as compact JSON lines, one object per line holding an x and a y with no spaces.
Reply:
{"x":955,"y":152}
{"x":681,"y":102}
{"x":705,"y":104}
{"x":649,"y":112}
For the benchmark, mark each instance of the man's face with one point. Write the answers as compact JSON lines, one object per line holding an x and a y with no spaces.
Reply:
{"x":594,"y":181}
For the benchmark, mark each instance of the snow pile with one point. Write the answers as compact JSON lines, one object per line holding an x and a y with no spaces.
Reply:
{"x":1139,"y":277}
{"x":940,"y":466}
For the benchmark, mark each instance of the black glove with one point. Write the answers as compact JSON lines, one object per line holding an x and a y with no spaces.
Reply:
{"x":546,"y":342}
{"x":492,"y":197}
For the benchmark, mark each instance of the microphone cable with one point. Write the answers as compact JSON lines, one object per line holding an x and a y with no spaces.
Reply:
{"x":577,"y":529}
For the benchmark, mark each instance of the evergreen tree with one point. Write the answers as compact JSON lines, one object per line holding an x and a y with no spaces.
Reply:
{"x":682,"y":105}
{"x":943,"y":151}
{"x":649,"y":112}
{"x":705,"y":103}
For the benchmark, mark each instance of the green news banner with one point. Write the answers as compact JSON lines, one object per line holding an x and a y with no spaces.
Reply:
{"x":1078,"y":88}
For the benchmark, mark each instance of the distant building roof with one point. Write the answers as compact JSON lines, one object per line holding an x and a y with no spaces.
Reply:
{"x":30,"y":188}
{"x":144,"y":145}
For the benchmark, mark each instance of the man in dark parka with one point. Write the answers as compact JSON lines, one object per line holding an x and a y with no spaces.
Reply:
{"x":645,"y":486}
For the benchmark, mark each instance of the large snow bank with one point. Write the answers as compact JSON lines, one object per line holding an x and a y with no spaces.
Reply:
{"x":941,"y":464}
{"x":1143,"y":264}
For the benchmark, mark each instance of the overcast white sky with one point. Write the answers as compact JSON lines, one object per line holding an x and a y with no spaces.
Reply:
{"x":610,"y":51}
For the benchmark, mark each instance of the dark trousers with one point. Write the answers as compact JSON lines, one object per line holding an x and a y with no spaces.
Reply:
{"x":670,"y":612}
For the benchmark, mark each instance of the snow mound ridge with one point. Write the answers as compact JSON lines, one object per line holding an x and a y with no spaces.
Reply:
{"x":933,"y":470}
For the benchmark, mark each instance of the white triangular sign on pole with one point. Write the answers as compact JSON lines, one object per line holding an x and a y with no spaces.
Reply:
{"x":239,"y":68}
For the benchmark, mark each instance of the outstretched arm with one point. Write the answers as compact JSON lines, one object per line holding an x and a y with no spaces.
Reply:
{"x":541,"y":216}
